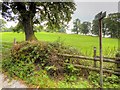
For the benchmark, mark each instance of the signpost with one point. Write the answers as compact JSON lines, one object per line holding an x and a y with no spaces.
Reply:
{"x":99,"y":17}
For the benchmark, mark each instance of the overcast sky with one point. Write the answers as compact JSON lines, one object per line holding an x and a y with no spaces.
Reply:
{"x":86,"y":11}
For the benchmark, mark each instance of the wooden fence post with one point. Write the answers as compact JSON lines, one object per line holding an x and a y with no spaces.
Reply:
{"x":94,"y":56}
{"x":14,"y":41}
{"x":118,"y":64}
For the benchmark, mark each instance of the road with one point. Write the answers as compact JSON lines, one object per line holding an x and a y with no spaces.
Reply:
{"x":6,"y":83}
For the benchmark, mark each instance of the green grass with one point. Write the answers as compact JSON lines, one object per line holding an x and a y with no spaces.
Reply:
{"x":83,"y":43}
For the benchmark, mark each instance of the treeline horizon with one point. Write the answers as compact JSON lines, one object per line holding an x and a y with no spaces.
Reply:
{"x":110,"y":27}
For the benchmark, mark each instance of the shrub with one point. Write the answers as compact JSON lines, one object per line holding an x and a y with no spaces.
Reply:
{"x":27,"y":57}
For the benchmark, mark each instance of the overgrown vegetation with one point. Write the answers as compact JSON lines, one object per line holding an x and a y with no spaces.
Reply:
{"x":110,"y":81}
{"x":36,"y":62}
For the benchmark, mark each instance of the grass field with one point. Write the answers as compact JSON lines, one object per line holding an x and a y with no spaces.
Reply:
{"x":83,"y":43}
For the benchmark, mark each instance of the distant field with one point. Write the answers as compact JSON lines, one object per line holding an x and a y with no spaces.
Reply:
{"x":84,"y":44}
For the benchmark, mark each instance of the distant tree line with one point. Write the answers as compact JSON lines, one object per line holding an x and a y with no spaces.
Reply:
{"x":2,"y":25}
{"x":110,"y":26}
{"x":79,"y":27}
{"x":36,"y":28}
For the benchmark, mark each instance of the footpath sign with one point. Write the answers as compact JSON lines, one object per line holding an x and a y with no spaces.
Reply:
{"x":99,"y":17}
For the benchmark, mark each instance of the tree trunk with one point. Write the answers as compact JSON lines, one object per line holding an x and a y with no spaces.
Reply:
{"x":111,"y":35}
{"x":28,"y":28}
{"x":77,"y":31}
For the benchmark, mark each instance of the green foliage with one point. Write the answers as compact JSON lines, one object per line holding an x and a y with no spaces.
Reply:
{"x":110,"y":26}
{"x":2,"y":25}
{"x":118,"y":54}
{"x":41,"y":79}
{"x":18,"y":68}
{"x":109,"y":81}
{"x":53,"y":14}
{"x":70,"y":69}
{"x":38,"y":28}
{"x":94,"y":78}
{"x":43,"y":55}
{"x":63,"y":29}
{"x":33,"y":62}
{"x":18,"y":28}
{"x":95,"y":27}
{"x":71,"y":78}
{"x":85,"y":27}
{"x":10,"y":29}
{"x":10,"y":64}
{"x":77,"y":26}
{"x":112,"y":23}
{"x":79,"y":83}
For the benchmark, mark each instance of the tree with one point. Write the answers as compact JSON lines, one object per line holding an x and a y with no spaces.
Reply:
{"x":95,"y":27}
{"x":38,"y":28}
{"x":18,"y":28}
{"x":2,"y":25}
{"x":112,"y":23}
{"x":76,"y":27}
{"x":105,"y":30}
{"x":30,"y":13}
{"x":63,"y":29}
{"x":85,"y":27}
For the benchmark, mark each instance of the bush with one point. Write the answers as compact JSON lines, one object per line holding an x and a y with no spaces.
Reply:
{"x":27,"y":57}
